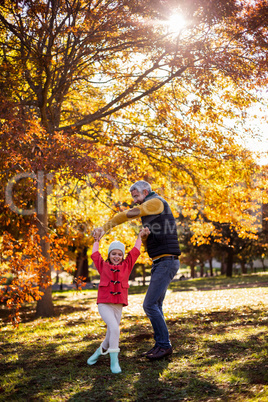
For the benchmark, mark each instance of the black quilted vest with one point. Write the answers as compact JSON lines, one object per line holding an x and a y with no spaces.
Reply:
{"x":163,"y":238}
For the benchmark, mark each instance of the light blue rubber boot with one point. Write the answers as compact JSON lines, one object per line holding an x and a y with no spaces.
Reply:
{"x":93,"y":359}
{"x":114,"y":366}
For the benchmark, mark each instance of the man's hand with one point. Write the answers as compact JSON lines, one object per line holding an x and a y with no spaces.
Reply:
{"x":98,"y":233}
{"x":144,"y":233}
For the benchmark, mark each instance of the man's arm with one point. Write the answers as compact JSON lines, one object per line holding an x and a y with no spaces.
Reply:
{"x":150,"y":207}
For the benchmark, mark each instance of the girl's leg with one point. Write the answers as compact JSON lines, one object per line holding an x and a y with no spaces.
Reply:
{"x":111,"y":315}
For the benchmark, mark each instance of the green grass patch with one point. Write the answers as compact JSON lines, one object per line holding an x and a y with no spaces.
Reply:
{"x":218,"y":329}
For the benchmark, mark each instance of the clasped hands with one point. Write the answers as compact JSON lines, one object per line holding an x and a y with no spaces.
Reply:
{"x":99,"y":232}
{"x":144,"y":233}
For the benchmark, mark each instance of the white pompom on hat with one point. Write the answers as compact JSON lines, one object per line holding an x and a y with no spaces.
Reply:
{"x":116,"y":245}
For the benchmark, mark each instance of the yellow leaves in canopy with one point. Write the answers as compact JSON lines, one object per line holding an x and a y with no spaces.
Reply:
{"x":202,"y":231}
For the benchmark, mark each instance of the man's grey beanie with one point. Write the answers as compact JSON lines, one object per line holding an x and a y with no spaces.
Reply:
{"x":116,"y":245}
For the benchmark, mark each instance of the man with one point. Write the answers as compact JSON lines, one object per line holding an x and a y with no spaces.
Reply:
{"x":163,"y":248}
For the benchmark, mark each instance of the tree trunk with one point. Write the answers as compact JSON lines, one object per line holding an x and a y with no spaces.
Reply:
{"x":82,"y":265}
{"x":243,"y":267}
{"x":210,"y":267}
{"x":44,"y":306}
{"x":251,"y":266}
{"x":201,"y":269}
{"x":223,"y":265}
{"x":192,"y":265}
{"x":229,"y":268}
{"x":263,"y":265}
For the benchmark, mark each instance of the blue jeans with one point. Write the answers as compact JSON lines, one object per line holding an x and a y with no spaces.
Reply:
{"x":161,"y":275}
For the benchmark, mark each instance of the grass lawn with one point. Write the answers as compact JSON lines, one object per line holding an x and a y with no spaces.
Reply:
{"x":218,"y":329}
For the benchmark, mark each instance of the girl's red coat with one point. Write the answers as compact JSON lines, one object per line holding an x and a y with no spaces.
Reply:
{"x":113,"y":287}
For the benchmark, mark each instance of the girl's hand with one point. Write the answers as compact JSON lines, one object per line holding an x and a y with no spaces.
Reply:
{"x":98,"y":233}
{"x":144,"y":233}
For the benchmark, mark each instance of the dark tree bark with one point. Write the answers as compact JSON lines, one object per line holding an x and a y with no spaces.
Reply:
{"x":192,"y":266}
{"x":230,"y":258}
{"x":243,"y":267}
{"x":82,"y":265}
{"x":202,"y":269}
{"x":210,"y":267}
{"x":44,"y":306}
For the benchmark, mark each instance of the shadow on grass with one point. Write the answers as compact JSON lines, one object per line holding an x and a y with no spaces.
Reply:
{"x":234,"y":318}
{"x":53,"y":367}
{"x":28,"y":313}
{"x":46,"y":369}
{"x":143,"y":380}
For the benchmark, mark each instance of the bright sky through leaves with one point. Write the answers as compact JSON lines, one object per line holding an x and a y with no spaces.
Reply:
{"x":176,"y":23}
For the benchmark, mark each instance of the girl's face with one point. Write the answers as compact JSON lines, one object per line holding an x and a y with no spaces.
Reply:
{"x":116,"y":257}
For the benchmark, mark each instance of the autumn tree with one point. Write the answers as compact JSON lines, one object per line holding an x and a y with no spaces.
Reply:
{"x":105,"y":86}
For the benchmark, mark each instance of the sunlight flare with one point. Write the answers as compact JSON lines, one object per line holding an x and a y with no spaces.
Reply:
{"x":176,"y":23}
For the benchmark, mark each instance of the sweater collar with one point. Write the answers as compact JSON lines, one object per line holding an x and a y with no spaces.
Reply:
{"x":149,"y":195}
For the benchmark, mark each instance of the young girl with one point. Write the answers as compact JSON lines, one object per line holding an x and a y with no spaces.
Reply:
{"x":113,"y":293}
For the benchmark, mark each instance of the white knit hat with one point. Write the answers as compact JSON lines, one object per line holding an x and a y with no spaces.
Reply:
{"x":116,"y":245}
